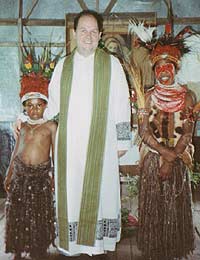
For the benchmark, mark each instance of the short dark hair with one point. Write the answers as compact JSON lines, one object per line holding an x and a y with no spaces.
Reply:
{"x":93,"y":13}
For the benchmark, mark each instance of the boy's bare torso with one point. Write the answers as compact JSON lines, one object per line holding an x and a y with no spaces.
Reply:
{"x":36,"y":142}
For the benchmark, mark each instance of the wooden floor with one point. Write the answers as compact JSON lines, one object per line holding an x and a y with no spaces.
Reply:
{"x":126,"y":249}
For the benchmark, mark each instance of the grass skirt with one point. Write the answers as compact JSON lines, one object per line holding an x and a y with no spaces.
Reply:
{"x":30,"y":220}
{"x":165,"y":214}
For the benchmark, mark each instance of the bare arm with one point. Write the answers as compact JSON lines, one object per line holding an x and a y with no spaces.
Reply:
{"x":185,"y":138}
{"x":16,"y":128}
{"x":148,"y":138}
{"x":188,"y":126}
{"x":121,"y":153}
{"x":9,"y":171}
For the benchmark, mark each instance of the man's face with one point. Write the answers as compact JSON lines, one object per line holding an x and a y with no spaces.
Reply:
{"x":165,"y":72}
{"x":87,"y":35}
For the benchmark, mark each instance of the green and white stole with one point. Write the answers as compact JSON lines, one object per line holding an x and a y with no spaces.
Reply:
{"x":95,"y":150}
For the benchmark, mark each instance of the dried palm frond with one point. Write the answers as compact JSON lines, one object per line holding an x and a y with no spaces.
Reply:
{"x":136,"y":80}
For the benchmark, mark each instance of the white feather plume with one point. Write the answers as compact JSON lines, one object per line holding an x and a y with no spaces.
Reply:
{"x":190,"y":62}
{"x":144,"y":33}
{"x":193,"y":42}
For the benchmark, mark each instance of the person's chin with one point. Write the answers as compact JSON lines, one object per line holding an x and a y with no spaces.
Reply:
{"x":87,"y":51}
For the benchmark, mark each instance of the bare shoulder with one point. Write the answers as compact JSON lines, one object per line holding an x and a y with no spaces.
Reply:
{"x":191,"y":98}
{"x":51,"y":125}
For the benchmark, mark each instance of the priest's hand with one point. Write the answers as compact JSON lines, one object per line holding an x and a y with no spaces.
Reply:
{"x":121,"y":153}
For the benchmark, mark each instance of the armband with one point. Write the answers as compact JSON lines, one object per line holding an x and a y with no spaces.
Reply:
{"x":143,"y":111}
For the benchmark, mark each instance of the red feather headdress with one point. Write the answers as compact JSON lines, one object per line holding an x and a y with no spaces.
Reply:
{"x":36,"y":73}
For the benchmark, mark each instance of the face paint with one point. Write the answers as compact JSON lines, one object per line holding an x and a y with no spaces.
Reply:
{"x":165,"y":73}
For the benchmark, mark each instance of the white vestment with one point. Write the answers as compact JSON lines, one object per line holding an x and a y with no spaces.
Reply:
{"x":78,"y":126}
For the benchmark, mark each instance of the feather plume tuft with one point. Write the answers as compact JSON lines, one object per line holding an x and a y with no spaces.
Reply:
{"x":144,"y":33}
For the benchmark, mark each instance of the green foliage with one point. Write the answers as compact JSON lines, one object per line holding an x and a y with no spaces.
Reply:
{"x":195,"y":178}
{"x":132,"y":187}
{"x":101,"y":44}
{"x":124,"y":215}
{"x":132,"y":192}
{"x":195,"y":175}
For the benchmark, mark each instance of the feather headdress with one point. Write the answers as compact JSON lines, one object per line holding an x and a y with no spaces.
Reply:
{"x":144,"y":33}
{"x":164,"y":47}
{"x":36,"y":73}
{"x":190,"y":62}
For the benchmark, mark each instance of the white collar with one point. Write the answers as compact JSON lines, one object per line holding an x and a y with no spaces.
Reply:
{"x":81,"y":57}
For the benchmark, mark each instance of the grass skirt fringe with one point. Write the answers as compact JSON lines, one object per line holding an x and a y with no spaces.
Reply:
{"x":165,"y":214}
{"x":30,"y":216}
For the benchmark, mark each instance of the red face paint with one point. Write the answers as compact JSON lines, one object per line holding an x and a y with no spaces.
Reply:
{"x":165,"y":73}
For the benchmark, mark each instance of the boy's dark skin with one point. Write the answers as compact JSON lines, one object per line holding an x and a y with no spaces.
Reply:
{"x":34,"y":143}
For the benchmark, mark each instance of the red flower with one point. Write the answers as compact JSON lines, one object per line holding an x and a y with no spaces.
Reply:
{"x":132,"y":221}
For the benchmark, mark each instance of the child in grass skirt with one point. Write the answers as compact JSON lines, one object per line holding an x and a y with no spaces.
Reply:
{"x":30,"y":222}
